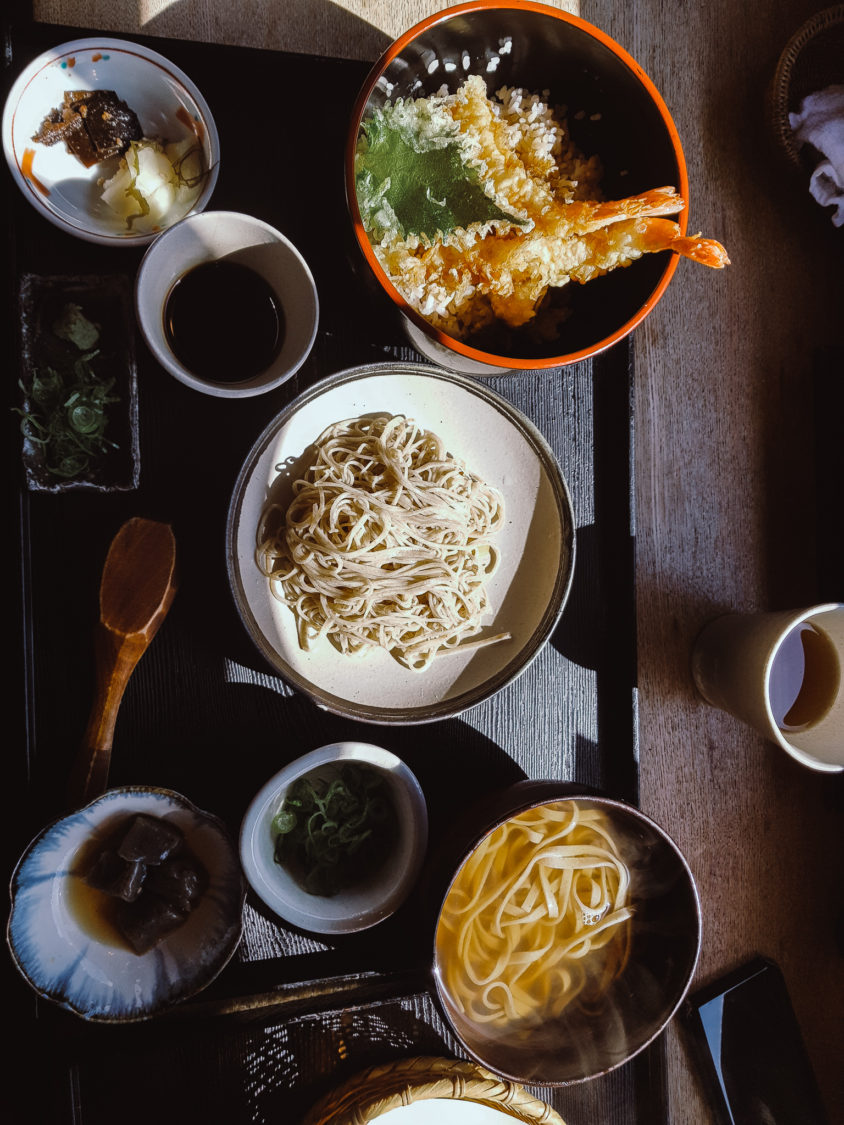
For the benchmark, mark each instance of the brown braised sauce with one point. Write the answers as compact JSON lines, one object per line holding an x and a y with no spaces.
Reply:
{"x":135,"y":886}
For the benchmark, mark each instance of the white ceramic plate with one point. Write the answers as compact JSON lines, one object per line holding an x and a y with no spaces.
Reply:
{"x":67,"y":963}
{"x":58,"y":185}
{"x":359,"y":907}
{"x":527,"y":592}
{"x":445,"y":1111}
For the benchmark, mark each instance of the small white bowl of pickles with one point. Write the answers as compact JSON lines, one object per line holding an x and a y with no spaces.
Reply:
{"x":110,"y":141}
{"x":334,"y":842}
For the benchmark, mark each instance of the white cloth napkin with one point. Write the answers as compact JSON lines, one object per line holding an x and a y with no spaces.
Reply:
{"x":820,"y":123}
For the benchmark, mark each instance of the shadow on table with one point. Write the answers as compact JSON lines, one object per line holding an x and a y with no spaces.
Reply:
{"x":315,"y":27}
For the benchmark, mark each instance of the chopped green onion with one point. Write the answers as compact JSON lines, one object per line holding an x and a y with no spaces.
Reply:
{"x":67,"y":412}
{"x":334,"y":834}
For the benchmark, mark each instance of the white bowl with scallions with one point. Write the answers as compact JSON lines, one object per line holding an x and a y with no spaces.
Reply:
{"x":334,"y":842}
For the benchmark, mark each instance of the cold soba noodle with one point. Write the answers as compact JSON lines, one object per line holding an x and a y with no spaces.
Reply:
{"x":538,"y":917}
{"x":386,"y":543}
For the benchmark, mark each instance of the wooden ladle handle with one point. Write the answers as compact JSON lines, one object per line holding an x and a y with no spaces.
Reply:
{"x":137,"y":589}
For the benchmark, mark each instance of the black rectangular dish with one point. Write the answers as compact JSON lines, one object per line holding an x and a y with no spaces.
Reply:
{"x":74,"y":342}
{"x":291,"y":1015}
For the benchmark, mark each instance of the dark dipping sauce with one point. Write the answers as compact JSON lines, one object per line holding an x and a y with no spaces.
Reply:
{"x":224,"y":322}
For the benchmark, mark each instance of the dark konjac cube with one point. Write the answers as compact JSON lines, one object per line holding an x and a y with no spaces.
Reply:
{"x":149,"y":839}
{"x":179,"y":881}
{"x":147,"y":920}
{"x":116,"y":876}
{"x":151,"y":875}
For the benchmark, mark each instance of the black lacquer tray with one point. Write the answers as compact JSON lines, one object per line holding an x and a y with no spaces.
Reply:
{"x":290,"y":1016}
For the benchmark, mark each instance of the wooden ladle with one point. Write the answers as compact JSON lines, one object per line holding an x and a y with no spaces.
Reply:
{"x":136,"y":591}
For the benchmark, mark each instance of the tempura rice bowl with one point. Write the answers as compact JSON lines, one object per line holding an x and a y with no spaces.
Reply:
{"x":617,"y":121}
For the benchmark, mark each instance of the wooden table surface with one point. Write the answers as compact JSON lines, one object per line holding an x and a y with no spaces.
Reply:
{"x":731,"y":485}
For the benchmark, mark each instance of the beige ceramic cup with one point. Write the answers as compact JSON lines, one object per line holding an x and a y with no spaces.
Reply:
{"x":749,"y":664}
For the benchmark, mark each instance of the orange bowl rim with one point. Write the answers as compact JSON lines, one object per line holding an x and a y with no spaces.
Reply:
{"x":450,"y":342}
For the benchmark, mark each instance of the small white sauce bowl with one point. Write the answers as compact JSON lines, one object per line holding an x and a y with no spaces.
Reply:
{"x":361,"y":906}
{"x":212,"y":236}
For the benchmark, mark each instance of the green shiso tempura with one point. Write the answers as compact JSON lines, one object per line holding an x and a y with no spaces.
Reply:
{"x":413,"y":176}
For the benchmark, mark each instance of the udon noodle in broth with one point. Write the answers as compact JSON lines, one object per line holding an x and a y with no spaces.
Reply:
{"x":537,"y":918}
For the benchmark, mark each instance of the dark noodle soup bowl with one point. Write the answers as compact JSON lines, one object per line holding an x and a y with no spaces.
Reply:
{"x":613,"y":111}
{"x":622,"y":992}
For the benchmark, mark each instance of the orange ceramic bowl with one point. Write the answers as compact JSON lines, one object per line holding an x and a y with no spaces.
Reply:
{"x":614,"y":111}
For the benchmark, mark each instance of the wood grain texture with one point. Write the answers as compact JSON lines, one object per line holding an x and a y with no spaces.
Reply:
{"x":346,"y":29}
{"x":137,"y":589}
{"x":726,"y":486}
{"x":725,"y":497}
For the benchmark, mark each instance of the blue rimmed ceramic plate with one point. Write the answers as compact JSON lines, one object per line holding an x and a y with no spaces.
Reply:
{"x":69,"y":959}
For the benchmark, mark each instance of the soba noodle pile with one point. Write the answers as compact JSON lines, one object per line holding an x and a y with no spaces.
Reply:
{"x":537,"y":917}
{"x":386,"y":543}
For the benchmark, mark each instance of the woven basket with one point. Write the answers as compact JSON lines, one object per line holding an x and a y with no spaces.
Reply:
{"x":373,"y":1092}
{"x":812,"y":59}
